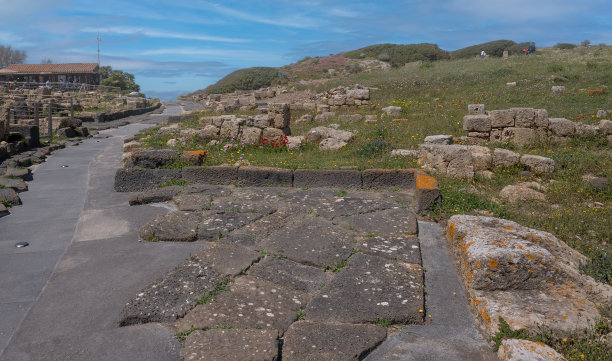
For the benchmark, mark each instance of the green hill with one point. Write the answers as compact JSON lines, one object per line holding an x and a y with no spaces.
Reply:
{"x":247,"y":79}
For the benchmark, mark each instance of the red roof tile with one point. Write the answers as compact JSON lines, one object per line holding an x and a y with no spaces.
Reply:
{"x":66,"y":68}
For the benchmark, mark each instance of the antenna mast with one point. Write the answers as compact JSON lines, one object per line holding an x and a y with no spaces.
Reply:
{"x":99,"y":40}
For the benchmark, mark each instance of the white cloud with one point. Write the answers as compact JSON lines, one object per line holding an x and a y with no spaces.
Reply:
{"x":128,"y":30}
{"x":216,"y":53}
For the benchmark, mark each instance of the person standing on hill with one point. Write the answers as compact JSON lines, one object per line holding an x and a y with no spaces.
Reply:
{"x":483,"y":54}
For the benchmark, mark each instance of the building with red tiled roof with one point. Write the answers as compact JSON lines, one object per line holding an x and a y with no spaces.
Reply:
{"x":84,"y":73}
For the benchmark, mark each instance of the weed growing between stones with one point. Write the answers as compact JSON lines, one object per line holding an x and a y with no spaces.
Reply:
{"x":340,"y":265}
{"x":182,"y":336}
{"x":212,"y":294}
{"x":6,"y":203}
{"x":173,"y":182}
{"x":506,"y":332}
{"x":385,"y":322}
{"x":341,"y":193}
{"x":152,"y":239}
{"x":220,"y":326}
{"x":301,"y":314}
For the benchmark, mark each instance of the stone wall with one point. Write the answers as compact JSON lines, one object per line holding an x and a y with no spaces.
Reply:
{"x":5,"y":117}
{"x":524,"y":126}
{"x":248,"y":129}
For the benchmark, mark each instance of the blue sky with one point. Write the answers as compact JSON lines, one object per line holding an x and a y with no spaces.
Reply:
{"x":174,"y":47}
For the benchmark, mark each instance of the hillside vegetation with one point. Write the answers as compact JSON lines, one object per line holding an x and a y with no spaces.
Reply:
{"x":247,"y":79}
{"x":348,"y":62}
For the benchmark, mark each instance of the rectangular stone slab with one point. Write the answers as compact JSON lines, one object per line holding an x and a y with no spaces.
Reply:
{"x":326,"y":178}
{"x":228,"y":259}
{"x":384,"y":222}
{"x":249,"y":303}
{"x":330,"y":341}
{"x":289,"y":274}
{"x":211,"y":175}
{"x":371,"y":288}
{"x":172,"y":296}
{"x":232,"y":345}
{"x":405,"y":248}
{"x":313,"y":241}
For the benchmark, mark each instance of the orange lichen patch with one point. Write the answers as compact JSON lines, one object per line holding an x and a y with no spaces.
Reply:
{"x":493,"y":263}
{"x":196,"y":153}
{"x":564,"y":317}
{"x":426,"y":182}
{"x":595,"y":91}
{"x":508,"y":228}
{"x":513,"y":266}
{"x":451,"y":230}
{"x":530,"y":256}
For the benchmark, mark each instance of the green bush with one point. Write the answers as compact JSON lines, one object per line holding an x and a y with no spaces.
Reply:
{"x":398,"y":55}
{"x":565,"y":46}
{"x":247,"y":79}
{"x":517,"y":49}
{"x":492,"y":48}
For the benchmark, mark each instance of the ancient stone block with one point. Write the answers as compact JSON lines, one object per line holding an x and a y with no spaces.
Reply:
{"x":264,"y":176}
{"x":558,"y":89}
{"x":521,"y":136}
{"x":326,"y":178}
{"x":331,"y":144}
{"x":9,"y":195}
{"x":524,"y":117}
{"x":216,"y":224}
{"x":279,"y":115}
{"x":230,"y":129}
{"x":561,"y":127}
{"x":274,"y":134}
{"x":392,"y":110}
{"x":361,"y":94}
{"x":475,"y":109}
{"x":388,"y":178}
{"x":605,"y":126}
{"x":496,"y":135}
{"x":477,"y":123}
{"x":155,"y":195}
{"x":141,"y":179}
{"x":519,"y":350}
{"x":504,"y":158}
{"x":387,"y":289}
{"x":251,"y":135}
{"x":502,"y":118}
{"x":541,"y":118}
{"x":538,"y":164}
{"x":438,"y":139}
{"x":172,"y":227}
{"x":210,"y":175}
{"x":481,"y":157}
{"x":228,"y":259}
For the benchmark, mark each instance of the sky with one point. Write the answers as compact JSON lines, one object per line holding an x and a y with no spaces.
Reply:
{"x":176,"y":47}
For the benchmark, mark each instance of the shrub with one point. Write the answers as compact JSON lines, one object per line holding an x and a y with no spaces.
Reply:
{"x":565,"y":46}
{"x":492,"y":48}
{"x":247,"y":79}
{"x":517,"y":49}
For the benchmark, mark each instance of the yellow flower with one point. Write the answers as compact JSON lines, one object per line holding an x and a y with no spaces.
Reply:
{"x":581,"y":355}
{"x":565,"y":340}
{"x":421,"y":311}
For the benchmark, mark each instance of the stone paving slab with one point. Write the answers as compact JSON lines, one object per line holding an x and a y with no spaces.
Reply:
{"x":368,"y":289}
{"x":313,"y":241}
{"x":308,"y":198}
{"x":192,"y":202}
{"x":347,"y":206}
{"x":275,"y":222}
{"x":228,"y":259}
{"x":244,"y":206}
{"x":217,"y":224}
{"x":244,"y":240}
{"x":173,"y":227}
{"x":388,"y":221}
{"x":330,"y":341}
{"x":172,"y":296}
{"x":289,"y":274}
{"x":249,"y":303}
{"x":405,"y":248}
{"x":154,"y":196}
{"x":232,"y":345}
{"x":17,"y":184}
{"x":210,"y":189}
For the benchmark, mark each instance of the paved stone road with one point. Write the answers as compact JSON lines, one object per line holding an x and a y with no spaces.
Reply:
{"x":299,"y":273}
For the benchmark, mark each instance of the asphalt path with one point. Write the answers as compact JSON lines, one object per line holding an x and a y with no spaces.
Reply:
{"x":60,"y":296}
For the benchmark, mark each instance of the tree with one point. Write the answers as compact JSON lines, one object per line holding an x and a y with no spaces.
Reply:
{"x":585,"y":43}
{"x":46,"y":61}
{"x":119,"y":79}
{"x":9,"y":56}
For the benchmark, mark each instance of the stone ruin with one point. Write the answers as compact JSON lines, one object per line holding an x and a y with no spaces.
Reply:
{"x":524,"y":126}
{"x":328,"y":101}
{"x":439,"y":154}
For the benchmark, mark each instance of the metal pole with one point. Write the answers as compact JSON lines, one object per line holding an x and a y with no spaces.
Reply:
{"x":50,"y":120}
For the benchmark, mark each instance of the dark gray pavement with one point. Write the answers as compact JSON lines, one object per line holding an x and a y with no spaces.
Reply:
{"x":60,"y":296}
